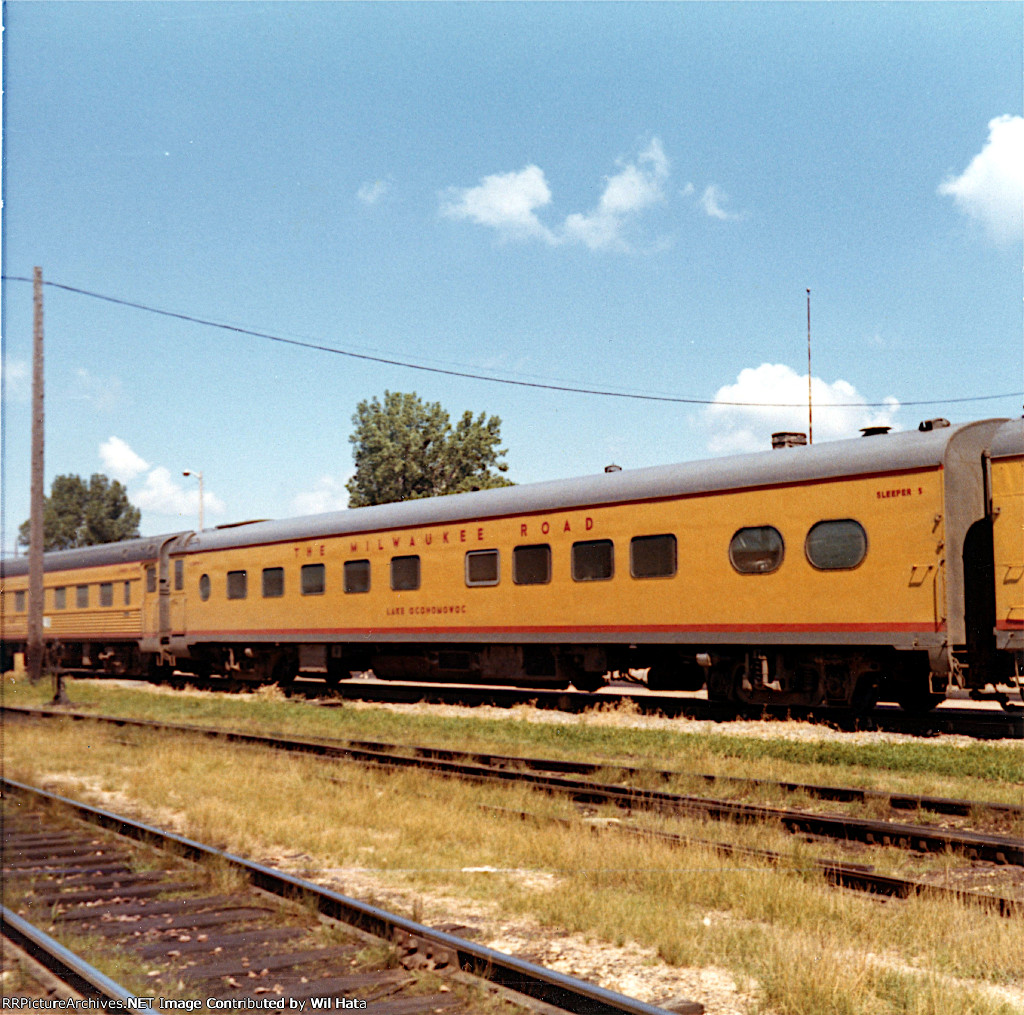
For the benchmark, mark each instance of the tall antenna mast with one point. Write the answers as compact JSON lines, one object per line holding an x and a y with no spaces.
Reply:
{"x":810,"y":410}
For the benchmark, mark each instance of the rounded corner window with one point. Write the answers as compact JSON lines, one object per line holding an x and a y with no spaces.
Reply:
{"x":757,"y":549}
{"x":839,"y":544}
{"x":204,"y":587}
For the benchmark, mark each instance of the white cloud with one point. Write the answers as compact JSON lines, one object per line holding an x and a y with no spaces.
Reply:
{"x":372,"y":192}
{"x":506,"y":202}
{"x":778,"y":401}
{"x":509,"y":202}
{"x":120,"y":461}
{"x":166,"y":494}
{"x":17,"y":378}
{"x":158,"y":491}
{"x":991,"y":188}
{"x":329,"y":495}
{"x":635,"y":187}
{"x":103,"y":393}
{"x":711,"y":201}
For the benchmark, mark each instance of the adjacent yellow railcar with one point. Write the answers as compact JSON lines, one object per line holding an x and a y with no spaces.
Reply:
{"x":1007,"y":509}
{"x":830,"y":574}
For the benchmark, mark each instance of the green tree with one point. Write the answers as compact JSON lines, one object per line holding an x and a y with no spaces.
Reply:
{"x":81,"y":514}
{"x":405,"y":448}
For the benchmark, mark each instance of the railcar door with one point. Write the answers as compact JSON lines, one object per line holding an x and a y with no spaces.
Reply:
{"x":176,"y":623}
{"x":980,"y":605}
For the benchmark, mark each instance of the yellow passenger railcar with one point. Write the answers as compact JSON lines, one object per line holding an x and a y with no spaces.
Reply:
{"x":826,"y":574}
{"x":94,"y":605}
{"x":1007,"y":481}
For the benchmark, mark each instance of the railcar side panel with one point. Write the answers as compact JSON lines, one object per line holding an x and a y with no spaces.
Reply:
{"x":1008,"y":550}
{"x":893,"y":596}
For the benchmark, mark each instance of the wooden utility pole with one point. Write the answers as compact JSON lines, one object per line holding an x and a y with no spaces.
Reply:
{"x":35,"y":531}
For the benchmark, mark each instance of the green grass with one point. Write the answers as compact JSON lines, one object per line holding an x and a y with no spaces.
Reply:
{"x":980,"y":771}
{"x":806,"y":948}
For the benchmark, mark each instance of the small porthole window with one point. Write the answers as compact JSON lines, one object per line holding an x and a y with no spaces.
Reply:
{"x":204,"y":587}
{"x":756,"y":549}
{"x":838,"y":545}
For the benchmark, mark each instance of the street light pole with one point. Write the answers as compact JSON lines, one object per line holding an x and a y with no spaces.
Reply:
{"x":199,"y":476}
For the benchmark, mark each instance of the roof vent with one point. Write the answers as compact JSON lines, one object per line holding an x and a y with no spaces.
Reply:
{"x":932,"y":424}
{"x":874,"y":431}
{"x":613,"y":468}
{"x":788,"y":439}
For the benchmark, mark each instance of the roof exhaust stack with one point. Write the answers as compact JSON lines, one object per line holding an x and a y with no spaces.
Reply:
{"x":932,"y":424}
{"x":788,"y":439}
{"x":874,"y":431}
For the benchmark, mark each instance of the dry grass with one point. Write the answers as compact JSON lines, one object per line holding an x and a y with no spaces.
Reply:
{"x":806,"y":947}
{"x":945,"y":767}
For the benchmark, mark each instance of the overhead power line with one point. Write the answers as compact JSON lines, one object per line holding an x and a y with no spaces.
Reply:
{"x":387,"y":361}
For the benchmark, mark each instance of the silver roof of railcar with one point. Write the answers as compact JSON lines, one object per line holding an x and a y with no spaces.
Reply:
{"x":865,"y":455}
{"x":1009,"y":440}
{"x":128,"y":551}
{"x":858,"y":456}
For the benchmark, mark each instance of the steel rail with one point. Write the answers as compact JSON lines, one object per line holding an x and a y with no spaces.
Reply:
{"x":855,"y":876}
{"x":68,"y":967}
{"x":979,"y":725}
{"x":995,"y":848}
{"x":545,"y":985}
{"x":841,"y":794}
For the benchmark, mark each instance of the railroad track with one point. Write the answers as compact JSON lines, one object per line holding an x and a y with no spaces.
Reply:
{"x":549,"y":775}
{"x":48,"y":970}
{"x":981,"y":725}
{"x":517,"y":763}
{"x":238,"y":949}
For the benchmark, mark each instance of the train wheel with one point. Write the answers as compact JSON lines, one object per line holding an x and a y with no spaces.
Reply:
{"x":865,"y":695}
{"x":585,"y":680}
{"x":918,"y":699}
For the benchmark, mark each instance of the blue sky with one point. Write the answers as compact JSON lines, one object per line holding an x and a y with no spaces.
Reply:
{"x":624,"y":197}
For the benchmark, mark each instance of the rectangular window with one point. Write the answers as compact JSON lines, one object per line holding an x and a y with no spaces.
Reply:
{"x":482,"y":567}
{"x":151,"y":578}
{"x":593,"y":561}
{"x":127,"y":593}
{"x":652,"y":556}
{"x":314,"y":579}
{"x":357,"y":576}
{"x":273,"y":582}
{"x":179,"y":575}
{"x":405,"y":573}
{"x":19,"y":602}
{"x":531,"y":565}
{"x":106,"y":593}
{"x":238,"y":584}
{"x":81,"y":596}
{"x":60,"y":598}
